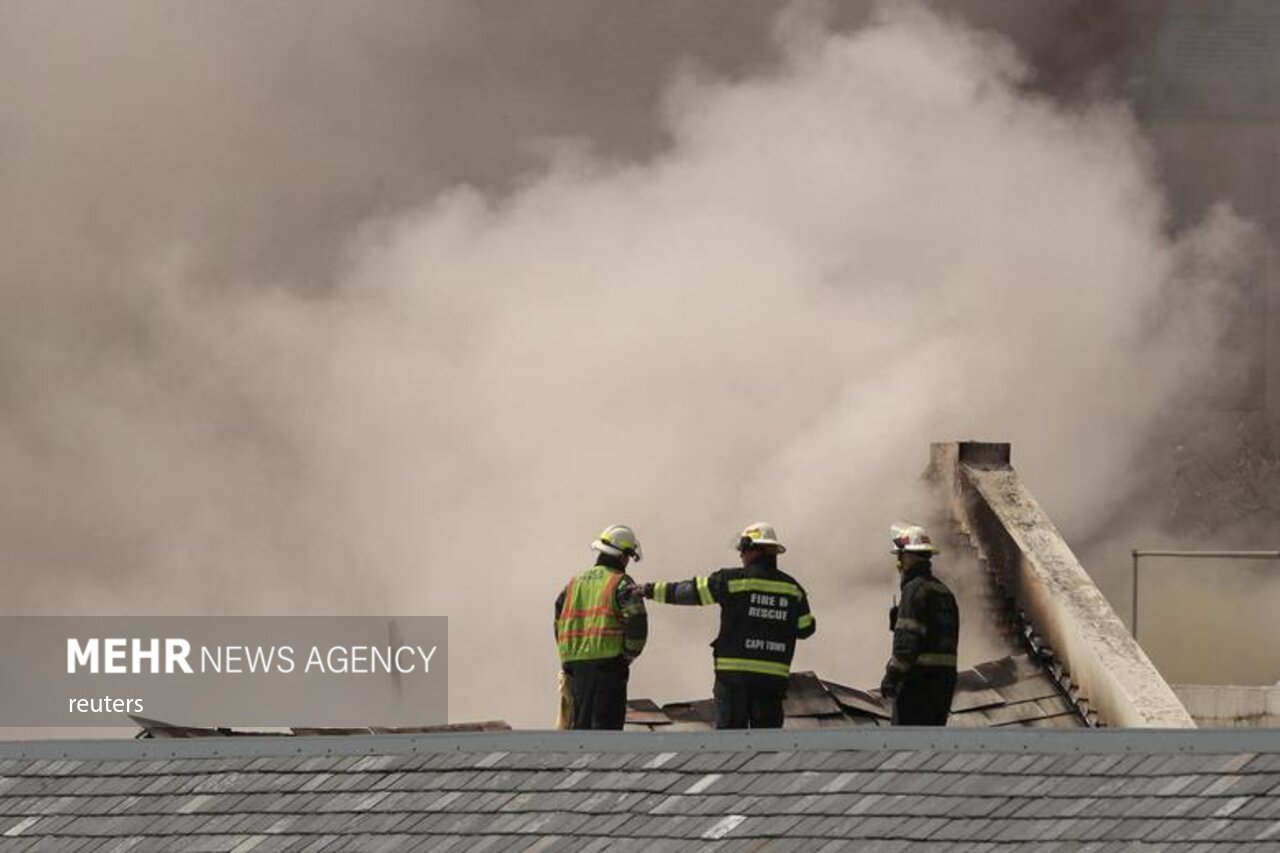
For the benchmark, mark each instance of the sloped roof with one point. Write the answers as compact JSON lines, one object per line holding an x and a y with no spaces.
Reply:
{"x":885,"y":789}
{"x":1012,"y":691}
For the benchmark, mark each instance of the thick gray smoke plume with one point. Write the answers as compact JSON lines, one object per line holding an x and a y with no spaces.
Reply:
{"x":765,"y":307}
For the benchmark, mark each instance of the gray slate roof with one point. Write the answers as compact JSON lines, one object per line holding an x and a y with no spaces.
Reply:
{"x":883,"y":789}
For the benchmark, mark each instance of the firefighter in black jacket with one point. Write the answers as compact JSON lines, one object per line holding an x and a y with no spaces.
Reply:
{"x":763,"y":611}
{"x":921,"y":675}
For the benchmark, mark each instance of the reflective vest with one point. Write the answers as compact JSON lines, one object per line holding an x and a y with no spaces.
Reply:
{"x":589,"y":626}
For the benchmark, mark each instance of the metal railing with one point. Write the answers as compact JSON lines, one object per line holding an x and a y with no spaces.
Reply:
{"x":1138,"y":553}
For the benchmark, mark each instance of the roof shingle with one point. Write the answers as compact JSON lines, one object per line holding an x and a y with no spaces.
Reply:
{"x":925,"y":790}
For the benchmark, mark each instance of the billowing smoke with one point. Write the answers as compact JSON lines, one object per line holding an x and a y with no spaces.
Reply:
{"x":427,"y":390}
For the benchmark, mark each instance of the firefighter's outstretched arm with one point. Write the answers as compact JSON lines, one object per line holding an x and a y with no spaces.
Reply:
{"x":697,"y":590}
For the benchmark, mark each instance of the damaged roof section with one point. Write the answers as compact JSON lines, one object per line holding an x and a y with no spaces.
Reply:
{"x":1070,"y":660}
{"x":1011,"y":691}
{"x":1028,"y":682}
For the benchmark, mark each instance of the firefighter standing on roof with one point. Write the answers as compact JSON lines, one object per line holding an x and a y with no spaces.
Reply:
{"x":601,"y":627}
{"x":763,"y":611}
{"x":921,"y":675}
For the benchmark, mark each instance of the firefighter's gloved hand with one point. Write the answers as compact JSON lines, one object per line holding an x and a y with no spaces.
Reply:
{"x":893,"y":617}
{"x":646,"y":590}
{"x":889,"y":686}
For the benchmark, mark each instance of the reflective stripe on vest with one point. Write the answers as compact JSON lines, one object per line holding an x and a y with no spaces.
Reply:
{"x":762,"y":585}
{"x":760,"y":667}
{"x":590,"y":627}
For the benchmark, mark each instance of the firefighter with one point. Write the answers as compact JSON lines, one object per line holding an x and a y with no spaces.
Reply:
{"x":601,"y":627}
{"x":921,"y":675}
{"x":763,"y":611}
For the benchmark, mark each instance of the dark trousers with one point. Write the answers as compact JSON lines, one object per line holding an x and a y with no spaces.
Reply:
{"x":745,"y":700}
{"x":924,"y":699}
{"x":599,"y":693}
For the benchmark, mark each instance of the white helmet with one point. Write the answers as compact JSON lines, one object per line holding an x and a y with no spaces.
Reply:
{"x":760,"y":535}
{"x":911,"y":538}
{"x":618,"y":541}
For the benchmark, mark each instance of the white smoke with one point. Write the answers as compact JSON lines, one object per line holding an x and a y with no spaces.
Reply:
{"x":882,"y":243}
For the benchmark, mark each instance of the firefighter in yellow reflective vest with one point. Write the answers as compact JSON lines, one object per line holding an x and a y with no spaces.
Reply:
{"x":601,"y":627}
{"x":921,"y":675}
{"x":763,"y":611}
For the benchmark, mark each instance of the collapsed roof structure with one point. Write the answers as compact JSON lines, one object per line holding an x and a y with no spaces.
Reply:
{"x":1070,"y":661}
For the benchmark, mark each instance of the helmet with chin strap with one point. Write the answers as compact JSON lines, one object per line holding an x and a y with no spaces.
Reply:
{"x":618,"y":541}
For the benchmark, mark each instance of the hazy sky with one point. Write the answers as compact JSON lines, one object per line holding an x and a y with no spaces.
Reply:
{"x":323,"y":307}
